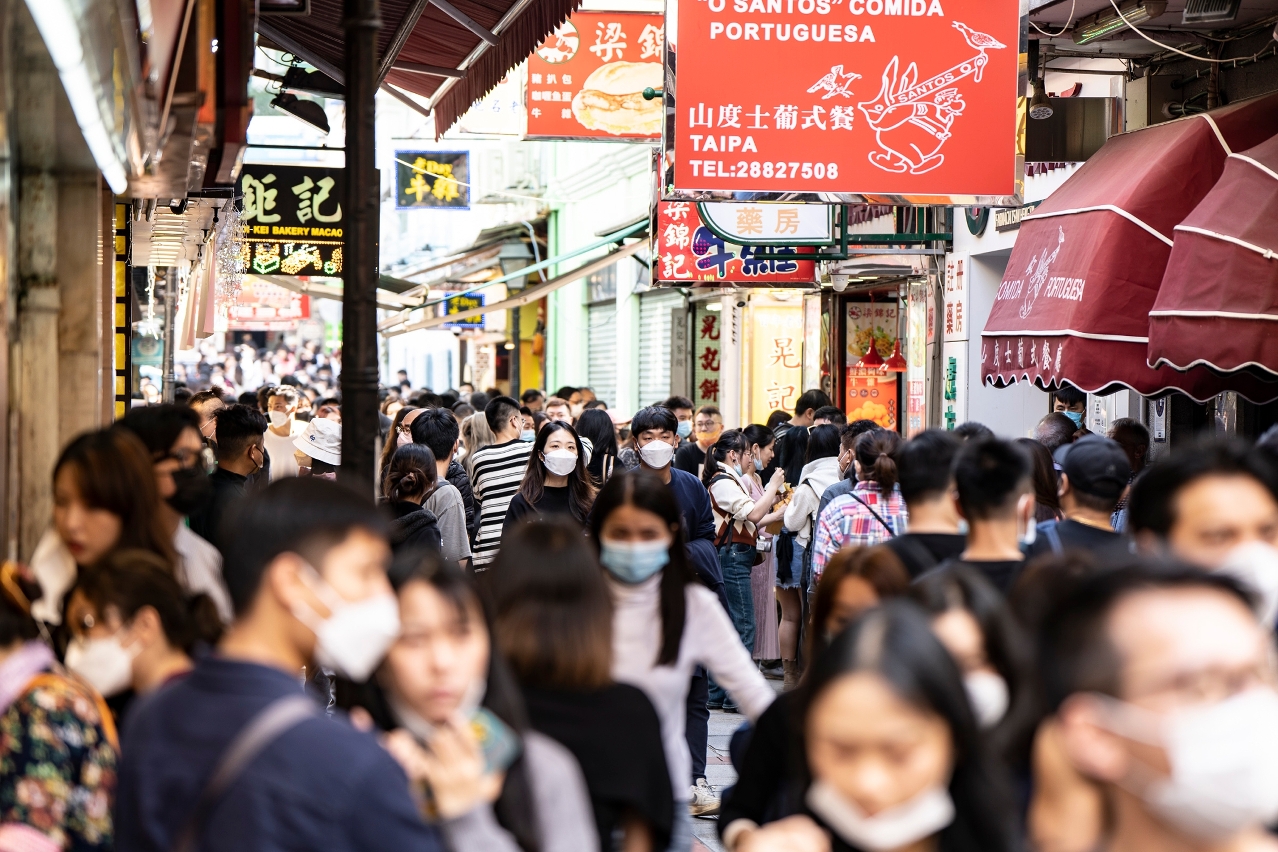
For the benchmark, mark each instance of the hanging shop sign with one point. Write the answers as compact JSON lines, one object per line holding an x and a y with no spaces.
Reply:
{"x":498,"y":113}
{"x":769,"y":224}
{"x":262,"y":306}
{"x":464,"y":302}
{"x":432,"y":180}
{"x":871,"y":393}
{"x":894,"y":101}
{"x":1010,"y":220}
{"x":687,"y":251}
{"x":293,"y":219}
{"x":706,"y":334}
{"x":586,"y":80}
{"x":776,"y":371}
{"x":957,"y":315}
{"x":916,"y":351}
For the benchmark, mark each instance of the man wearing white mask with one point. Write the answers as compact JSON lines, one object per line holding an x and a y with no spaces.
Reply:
{"x":1163,"y":686}
{"x":283,"y":426}
{"x":307,"y":574}
{"x":1213,"y":506}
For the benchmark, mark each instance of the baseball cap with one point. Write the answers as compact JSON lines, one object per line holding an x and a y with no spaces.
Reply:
{"x":1096,"y":466}
{"x":322,"y":440}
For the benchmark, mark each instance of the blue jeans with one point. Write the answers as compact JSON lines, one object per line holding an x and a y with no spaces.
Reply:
{"x":737,"y":560}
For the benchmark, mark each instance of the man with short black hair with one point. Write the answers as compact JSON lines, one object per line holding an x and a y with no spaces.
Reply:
{"x":707,"y":427}
{"x":829,"y":414}
{"x":533,"y":399}
{"x":792,"y":447}
{"x":437,"y":429}
{"x":971,"y":429}
{"x":558,"y":409}
{"x":1071,"y":402}
{"x":282,"y":404}
{"x":496,"y":473}
{"x":1054,"y":431}
{"x":684,"y":411}
{"x":925,"y":467}
{"x":240,"y":454}
{"x":1094,"y":474}
{"x":1161,"y":683}
{"x":306,"y":553}
{"x":995,"y":493}
{"x":206,"y":404}
{"x":573,"y":397}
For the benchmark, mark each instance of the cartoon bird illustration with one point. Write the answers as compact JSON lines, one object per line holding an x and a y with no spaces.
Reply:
{"x":978,"y":41}
{"x":835,"y":83}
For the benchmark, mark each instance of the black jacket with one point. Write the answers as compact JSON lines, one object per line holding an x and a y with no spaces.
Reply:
{"x":228,"y":489}
{"x":413,"y":526}
{"x":458,"y":479}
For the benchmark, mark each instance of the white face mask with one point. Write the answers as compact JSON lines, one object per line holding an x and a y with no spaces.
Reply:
{"x":1027,"y":537}
{"x":989,"y":697}
{"x":1255,"y":564}
{"x":1224,"y":762}
{"x":353,"y":640}
{"x":278,"y":418}
{"x":656,"y":454}
{"x":911,"y":821}
{"x":560,"y":462}
{"x":104,"y":663}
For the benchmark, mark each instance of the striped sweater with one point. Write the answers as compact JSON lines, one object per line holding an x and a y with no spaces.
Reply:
{"x":496,"y":474}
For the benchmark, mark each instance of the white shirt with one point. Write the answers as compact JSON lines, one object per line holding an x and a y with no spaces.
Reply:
{"x":709,"y":640}
{"x":281,"y":449}
{"x":200,"y":569}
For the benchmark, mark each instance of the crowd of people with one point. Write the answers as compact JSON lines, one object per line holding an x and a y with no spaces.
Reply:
{"x":955,"y":642}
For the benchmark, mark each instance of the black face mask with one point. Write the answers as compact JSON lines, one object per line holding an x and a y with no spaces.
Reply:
{"x":192,"y":490}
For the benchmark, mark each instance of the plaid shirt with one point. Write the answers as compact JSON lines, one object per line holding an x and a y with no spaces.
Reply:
{"x":846,"y":522}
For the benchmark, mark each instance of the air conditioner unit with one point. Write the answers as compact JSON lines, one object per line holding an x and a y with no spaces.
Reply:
{"x":1210,"y":11}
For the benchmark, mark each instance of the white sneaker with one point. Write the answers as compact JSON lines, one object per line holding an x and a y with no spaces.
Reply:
{"x":705,"y":801}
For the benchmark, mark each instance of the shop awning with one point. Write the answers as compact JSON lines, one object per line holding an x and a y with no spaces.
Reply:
{"x":1087,"y":266}
{"x":450,"y":51}
{"x":1218,"y":306}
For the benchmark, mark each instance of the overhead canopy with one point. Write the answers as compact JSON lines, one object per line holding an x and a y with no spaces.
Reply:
{"x":450,"y":51}
{"x":1218,"y":306}
{"x":1086,"y":270}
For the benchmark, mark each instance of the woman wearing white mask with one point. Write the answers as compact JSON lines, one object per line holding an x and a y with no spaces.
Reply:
{"x":974,"y":624}
{"x":456,"y":723}
{"x":894,"y":757}
{"x":556,"y":481}
{"x":398,"y":435}
{"x":664,"y":623}
{"x":132,"y":626}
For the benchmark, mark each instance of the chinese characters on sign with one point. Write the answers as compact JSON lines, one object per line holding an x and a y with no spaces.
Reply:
{"x":871,"y":394}
{"x":863,"y":96}
{"x":776,"y":368}
{"x":781,"y":224}
{"x":457,"y":304}
{"x":261,"y":306}
{"x":686,"y":250}
{"x":586,"y":80}
{"x":432,"y":180}
{"x":292,"y":219}
{"x":956,"y":312}
{"x":706,"y":334}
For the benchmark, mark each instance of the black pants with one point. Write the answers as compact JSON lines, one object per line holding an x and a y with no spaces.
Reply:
{"x":697,"y":724}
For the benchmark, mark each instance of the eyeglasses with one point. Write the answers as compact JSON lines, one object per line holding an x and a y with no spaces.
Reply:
{"x":187,"y":459}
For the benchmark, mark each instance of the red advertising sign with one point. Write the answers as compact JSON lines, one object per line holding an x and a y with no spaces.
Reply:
{"x":586,"y":80}
{"x":261,"y":306}
{"x":868,"y":97}
{"x":685,"y":250}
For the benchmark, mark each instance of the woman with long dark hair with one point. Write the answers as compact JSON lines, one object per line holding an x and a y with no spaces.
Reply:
{"x":892,"y":755}
{"x":665,"y":624}
{"x":556,"y":481}
{"x":1046,"y":483}
{"x":760,"y":443}
{"x":458,"y":726}
{"x":596,"y":426}
{"x":554,"y":627}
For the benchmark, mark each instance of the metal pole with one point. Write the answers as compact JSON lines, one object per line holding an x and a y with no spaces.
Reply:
{"x":170,"y":308}
{"x":360,"y":243}
{"x":515,"y":388}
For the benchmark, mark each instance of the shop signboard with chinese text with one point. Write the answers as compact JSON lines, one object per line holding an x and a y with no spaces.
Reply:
{"x":776,"y":368}
{"x":769,"y":223}
{"x":871,"y":393}
{"x":464,"y":302}
{"x":957,"y":314}
{"x":263,"y":306}
{"x":586,"y":80}
{"x":293,"y":219}
{"x":706,"y":336}
{"x":432,"y":180}
{"x":687,"y":251}
{"x":916,"y":334}
{"x":905,"y":101}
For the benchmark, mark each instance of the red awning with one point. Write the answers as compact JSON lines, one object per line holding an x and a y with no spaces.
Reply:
{"x":453,"y":52}
{"x":1218,"y":306}
{"x":1075,"y":300}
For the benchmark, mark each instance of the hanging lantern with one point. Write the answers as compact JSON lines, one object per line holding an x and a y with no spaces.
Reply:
{"x":896,"y":363}
{"x":872,"y":360}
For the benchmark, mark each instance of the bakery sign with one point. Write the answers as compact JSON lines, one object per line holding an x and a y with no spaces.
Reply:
{"x":586,"y":80}
{"x":685,"y":250}
{"x":292,"y":217}
{"x":913,"y":101}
